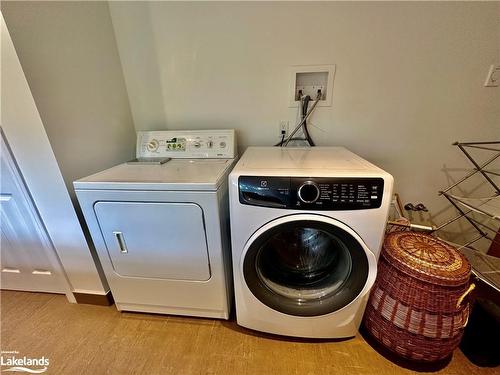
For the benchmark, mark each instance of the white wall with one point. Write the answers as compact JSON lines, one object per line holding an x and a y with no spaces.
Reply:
{"x":408,"y":82}
{"x":31,"y":148}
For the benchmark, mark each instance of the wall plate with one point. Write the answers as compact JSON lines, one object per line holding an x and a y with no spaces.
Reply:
{"x":493,"y":78}
{"x":309,"y":78}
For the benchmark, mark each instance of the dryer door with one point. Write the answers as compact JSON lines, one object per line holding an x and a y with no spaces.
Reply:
{"x":159,"y":240}
{"x":307,"y":265}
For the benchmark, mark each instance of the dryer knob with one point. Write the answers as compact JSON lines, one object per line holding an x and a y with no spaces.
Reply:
{"x":153,"y":145}
{"x":309,"y":192}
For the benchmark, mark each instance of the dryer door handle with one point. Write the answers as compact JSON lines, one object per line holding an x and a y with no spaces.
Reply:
{"x":121,"y":242}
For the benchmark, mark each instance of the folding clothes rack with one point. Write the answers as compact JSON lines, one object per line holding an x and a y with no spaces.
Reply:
{"x":489,"y":205}
{"x":485,"y":267}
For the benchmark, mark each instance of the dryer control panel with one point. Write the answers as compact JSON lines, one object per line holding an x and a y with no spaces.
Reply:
{"x":190,"y":144}
{"x":312,"y":193}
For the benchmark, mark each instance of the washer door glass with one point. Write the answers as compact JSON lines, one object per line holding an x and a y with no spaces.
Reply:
{"x":305,"y":268}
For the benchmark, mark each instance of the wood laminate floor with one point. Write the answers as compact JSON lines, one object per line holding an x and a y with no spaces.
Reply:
{"x":85,"y":339}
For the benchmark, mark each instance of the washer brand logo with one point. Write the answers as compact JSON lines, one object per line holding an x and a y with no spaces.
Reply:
{"x":23,"y":364}
{"x":263,"y":183}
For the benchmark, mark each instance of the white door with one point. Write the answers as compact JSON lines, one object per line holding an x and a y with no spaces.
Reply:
{"x":160,"y":240}
{"x":27,"y":259}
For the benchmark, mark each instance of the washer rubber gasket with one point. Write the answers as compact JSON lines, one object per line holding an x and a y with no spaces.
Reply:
{"x":350,"y":289}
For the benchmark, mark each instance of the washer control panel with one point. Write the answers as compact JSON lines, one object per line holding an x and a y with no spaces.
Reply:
{"x":312,"y":193}
{"x":190,"y":144}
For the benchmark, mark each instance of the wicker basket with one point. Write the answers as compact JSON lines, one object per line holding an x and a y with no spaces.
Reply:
{"x":416,"y":307}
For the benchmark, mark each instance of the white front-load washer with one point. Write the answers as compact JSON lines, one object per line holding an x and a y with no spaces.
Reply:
{"x":160,"y":223}
{"x":306,"y":229}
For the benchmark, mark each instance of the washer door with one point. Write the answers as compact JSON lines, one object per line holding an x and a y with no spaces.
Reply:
{"x":306,"y":265}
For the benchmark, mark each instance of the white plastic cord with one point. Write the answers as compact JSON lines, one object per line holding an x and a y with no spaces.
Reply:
{"x":304,"y":118}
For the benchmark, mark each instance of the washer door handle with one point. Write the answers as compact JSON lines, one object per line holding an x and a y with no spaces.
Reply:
{"x":121,"y":242}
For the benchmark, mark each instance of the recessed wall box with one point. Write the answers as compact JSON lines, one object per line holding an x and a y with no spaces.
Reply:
{"x":307,"y":80}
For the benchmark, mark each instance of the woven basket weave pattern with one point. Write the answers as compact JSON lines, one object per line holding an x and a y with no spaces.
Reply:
{"x":412,"y":308}
{"x":405,"y":343}
{"x":431,"y":297}
{"x":426,"y":258}
{"x":418,"y":321}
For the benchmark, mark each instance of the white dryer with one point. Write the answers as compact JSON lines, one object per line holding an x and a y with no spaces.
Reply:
{"x":306,"y":228}
{"x":160,"y":223}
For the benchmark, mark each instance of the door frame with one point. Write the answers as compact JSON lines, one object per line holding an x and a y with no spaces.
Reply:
{"x":48,"y":247}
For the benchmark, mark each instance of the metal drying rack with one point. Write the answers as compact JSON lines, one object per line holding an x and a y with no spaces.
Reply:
{"x":485,"y":267}
{"x":488,"y":206}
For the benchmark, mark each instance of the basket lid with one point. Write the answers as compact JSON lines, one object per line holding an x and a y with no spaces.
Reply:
{"x":426,"y":258}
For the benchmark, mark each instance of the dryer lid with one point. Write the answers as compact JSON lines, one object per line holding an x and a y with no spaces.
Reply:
{"x":177,"y":174}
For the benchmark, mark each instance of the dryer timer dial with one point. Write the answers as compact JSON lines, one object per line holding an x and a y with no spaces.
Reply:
{"x":153,"y":145}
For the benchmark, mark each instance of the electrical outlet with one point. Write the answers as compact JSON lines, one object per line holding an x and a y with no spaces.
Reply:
{"x":283,"y":128}
{"x":493,"y":78}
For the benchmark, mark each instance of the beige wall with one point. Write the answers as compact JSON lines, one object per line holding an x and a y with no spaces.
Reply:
{"x":30,"y":145}
{"x":69,"y":55}
{"x":409,"y":77}
{"x":408,"y":81}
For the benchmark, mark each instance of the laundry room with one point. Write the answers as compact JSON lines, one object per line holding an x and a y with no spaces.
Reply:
{"x":272,"y":187}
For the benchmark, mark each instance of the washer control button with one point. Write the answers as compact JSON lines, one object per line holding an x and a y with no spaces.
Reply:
{"x":309,"y":192}
{"x":222,"y":144}
{"x":197,"y":144}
